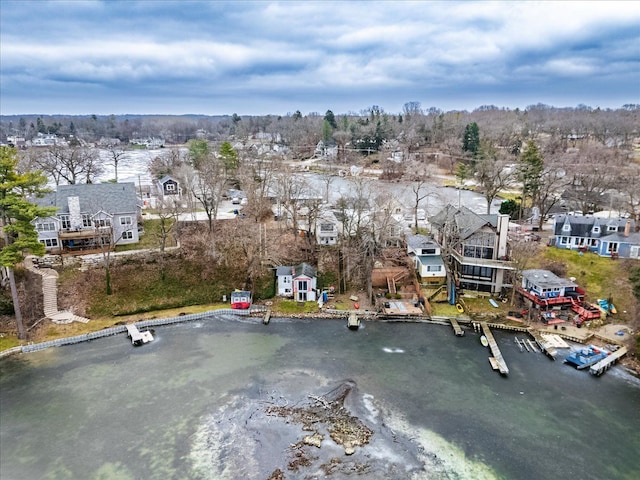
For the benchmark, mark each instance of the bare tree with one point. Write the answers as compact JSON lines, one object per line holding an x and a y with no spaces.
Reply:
{"x":117,"y":153}
{"x":71,"y":164}
{"x":521,"y":252}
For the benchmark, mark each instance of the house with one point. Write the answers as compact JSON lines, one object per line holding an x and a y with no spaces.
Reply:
{"x":620,"y":245}
{"x":89,"y":216}
{"x":604,"y":236}
{"x":429,"y":264}
{"x":327,"y":228}
{"x":168,"y":187}
{"x":475,"y":246}
{"x":545,"y":284}
{"x":298,"y":282}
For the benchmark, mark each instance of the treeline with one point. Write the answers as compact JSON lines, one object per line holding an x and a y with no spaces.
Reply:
{"x":368,"y":130}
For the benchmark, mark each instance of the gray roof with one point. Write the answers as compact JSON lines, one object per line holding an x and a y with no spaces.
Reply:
{"x":547,"y":279}
{"x":582,"y":226}
{"x":431,"y":260}
{"x":420,"y":241}
{"x":297,"y":270}
{"x":112,"y":198}
{"x":632,"y":239}
{"x":466,"y":221}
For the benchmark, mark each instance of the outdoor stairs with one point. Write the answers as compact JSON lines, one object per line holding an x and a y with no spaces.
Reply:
{"x":50,"y":295}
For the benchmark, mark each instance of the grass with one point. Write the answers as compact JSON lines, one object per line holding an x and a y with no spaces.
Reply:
{"x":289,"y":307}
{"x":150,"y":239}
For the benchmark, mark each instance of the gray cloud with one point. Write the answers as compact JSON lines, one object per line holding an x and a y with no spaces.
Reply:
{"x":270,"y":57}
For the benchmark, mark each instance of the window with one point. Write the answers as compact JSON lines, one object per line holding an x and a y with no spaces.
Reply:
{"x":86,"y":220}
{"x":564,"y":240}
{"x":50,"y":242}
{"x":128,"y":235}
{"x":596,"y":229}
{"x":612,"y":228}
{"x":66,"y":222}
{"x":428,"y":251}
{"x":635,"y":251}
{"x":170,"y":187}
{"x":613,"y":247}
{"x":326,"y":227}
{"x":125,"y":220}
{"x":46,"y":227}
{"x":434,"y":268}
{"x":106,"y":222}
{"x":566,"y":227}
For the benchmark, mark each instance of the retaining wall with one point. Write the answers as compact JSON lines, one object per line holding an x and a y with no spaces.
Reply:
{"x":107,"y":332}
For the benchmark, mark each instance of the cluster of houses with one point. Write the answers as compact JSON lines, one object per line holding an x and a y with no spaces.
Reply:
{"x":465,"y":251}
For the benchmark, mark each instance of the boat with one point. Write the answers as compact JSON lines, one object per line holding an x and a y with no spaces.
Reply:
{"x":586,"y":356}
{"x":493,"y":303}
{"x":354,"y":322}
{"x":460,"y":308}
{"x":484,"y":341}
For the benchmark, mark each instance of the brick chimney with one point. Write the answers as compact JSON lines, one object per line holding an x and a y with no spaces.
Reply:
{"x":627,"y":228}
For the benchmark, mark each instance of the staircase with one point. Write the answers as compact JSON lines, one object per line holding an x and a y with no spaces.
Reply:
{"x":50,"y":294}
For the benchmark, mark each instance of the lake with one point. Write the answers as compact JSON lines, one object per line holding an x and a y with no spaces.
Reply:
{"x":187,"y":405}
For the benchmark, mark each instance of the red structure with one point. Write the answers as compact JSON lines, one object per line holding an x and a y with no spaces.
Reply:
{"x":240,"y":299}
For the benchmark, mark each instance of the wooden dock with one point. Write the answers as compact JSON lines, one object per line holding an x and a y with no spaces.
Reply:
{"x":606,"y":363}
{"x":497,"y":361}
{"x":547,"y":348}
{"x":138,"y":337}
{"x":456,"y":327}
{"x":353,"y":322}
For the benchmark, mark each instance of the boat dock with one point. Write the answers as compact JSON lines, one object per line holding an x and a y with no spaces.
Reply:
{"x":138,"y":337}
{"x":353,"y":322}
{"x":456,"y":327}
{"x":606,"y":363}
{"x":497,"y":361}
{"x":547,"y":346}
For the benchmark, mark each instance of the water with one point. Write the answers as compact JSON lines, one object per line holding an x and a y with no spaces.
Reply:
{"x":180,"y":407}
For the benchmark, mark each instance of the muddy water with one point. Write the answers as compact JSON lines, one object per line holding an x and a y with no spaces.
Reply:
{"x":191,"y":406}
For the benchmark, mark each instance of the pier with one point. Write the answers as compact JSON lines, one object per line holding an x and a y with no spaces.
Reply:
{"x":456,"y":327}
{"x":497,"y":361}
{"x":138,"y":337}
{"x":353,"y":322}
{"x":606,"y":363}
{"x":547,"y":345}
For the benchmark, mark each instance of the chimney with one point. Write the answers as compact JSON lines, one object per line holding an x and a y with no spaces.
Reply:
{"x":627,"y":228}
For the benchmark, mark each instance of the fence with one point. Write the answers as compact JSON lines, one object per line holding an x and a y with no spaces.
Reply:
{"x":107,"y":332}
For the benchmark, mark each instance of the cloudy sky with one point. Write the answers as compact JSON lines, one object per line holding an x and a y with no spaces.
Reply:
{"x":203,"y":57}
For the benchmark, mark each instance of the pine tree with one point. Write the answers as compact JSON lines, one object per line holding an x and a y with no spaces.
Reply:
{"x":471,"y":139}
{"x":16,"y":217}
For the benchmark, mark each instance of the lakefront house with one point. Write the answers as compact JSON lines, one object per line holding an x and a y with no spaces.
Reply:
{"x":88,"y":217}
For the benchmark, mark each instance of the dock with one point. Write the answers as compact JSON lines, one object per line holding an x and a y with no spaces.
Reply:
{"x":137,"y":337}
{"x":497,"y":361}
{"x":456,"y":327}
{"x":606,"y":363}
{"x":545,"y":344}
{"x":353,"y":322}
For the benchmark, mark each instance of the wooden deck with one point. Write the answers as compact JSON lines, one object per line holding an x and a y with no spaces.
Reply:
{"x":498,"y":362}
{"x":138,"y":337}
{"x":456,"y":327}
{"x":606,"y":363}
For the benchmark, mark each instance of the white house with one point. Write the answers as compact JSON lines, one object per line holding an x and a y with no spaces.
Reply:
{"x":327,"y":228}
{"x":427,"y":259}
{"x":298,"y":282}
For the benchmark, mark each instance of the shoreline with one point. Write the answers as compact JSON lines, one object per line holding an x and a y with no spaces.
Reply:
{"x":629,"y":364}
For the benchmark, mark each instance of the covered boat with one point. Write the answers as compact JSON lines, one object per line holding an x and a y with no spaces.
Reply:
{"x":586,"y":356}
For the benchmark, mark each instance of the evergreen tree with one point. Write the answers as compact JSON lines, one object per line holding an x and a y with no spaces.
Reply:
{"x":530,"y":172}
{"x":330,"y":117}
{"x":16,"y":217}
{"x":229,"y":156}
{"x":471,"y":139}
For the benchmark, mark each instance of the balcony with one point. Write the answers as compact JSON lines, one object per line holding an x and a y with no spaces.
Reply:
{"x":82,"y":233}
{"x":482,"y":262}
